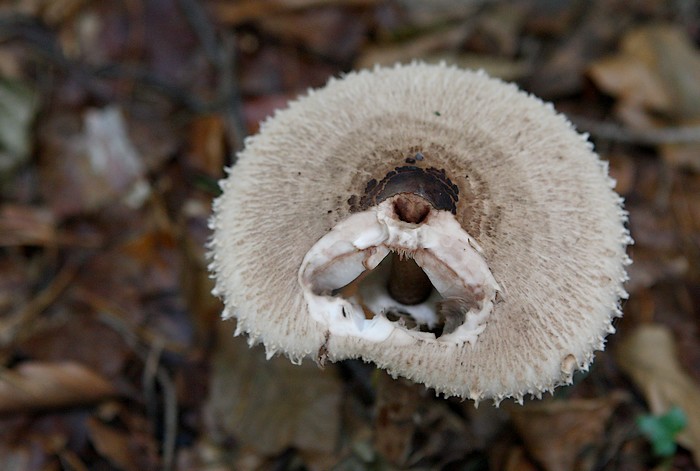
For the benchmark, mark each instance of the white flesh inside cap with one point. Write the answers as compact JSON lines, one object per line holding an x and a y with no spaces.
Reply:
{"x":447,"y":254}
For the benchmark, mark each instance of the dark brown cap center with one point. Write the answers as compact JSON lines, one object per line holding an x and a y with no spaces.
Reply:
{"x":431,"y":184}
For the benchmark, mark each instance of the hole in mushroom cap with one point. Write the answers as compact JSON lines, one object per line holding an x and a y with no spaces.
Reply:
{"x":446,"y":288}
{"x":371,"y":291}
{"x":411,"y":208}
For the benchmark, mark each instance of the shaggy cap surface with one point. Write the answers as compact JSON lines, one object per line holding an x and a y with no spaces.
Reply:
{"x":530,"y":191}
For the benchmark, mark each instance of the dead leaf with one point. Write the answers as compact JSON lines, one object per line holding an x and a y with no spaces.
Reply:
{"x":517,"y":460}
{"x":632,"y":82}
{"x":65,"y":342}
{"x":55,"y":12}
{"x":655,"y":80}
{"x":497,"y":30}
{"x":684,"y":155}
{"x":270,"y":405}
{"x":565,"y":435}
{"x":113,"y":444}
{"x":331,"y":32}
{"x":26,"y":225}
{"x":257,"y":109}
{"x":657,"y":67}
{"x":34,"y":385}
{"x":419,"y":14}
{"x":207,"y":145}
{"x":648,"y":269}
{"x":232,"y":13}
{"x":86,"y":168}
{"x":648,"y":356}
{"x":562,"y":72}
{"x":407,"y":51}
{"x":18,"y":107}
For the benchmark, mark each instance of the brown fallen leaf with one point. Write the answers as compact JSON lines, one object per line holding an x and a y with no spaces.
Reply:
{"x":657,"y":67}
{"x":634,"y":83}
{"x":87,"y":165}
{"x":421,"y":15}
{"x":34,"y":385}
{"x":407,"y":51}
{"x":26,"y":225}
{"x":562,"y":72}
{"x":517,"y":460}
{"x":565,"y":435}
{"x":331,"y":32}
{"x":257,"y":109}
{"x":655,"y":80}
{"x":112,"y":444}
{"x":233,"y":13}
{"x":271,"y":405}
{"x":207,"y":145}
{"x":648,"y":356}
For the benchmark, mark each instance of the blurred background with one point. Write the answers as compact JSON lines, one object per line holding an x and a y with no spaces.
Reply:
{"x":116,"y":121}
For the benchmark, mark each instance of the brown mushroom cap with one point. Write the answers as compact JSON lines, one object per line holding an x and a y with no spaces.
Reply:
{"x":522,"y":184}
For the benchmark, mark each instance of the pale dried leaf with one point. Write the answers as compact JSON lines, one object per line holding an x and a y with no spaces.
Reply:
{"x":649,"y":356}
{"x":656,"y":70}
{"x":87,"y":168}
{"x":407,"y":51}
{"x":34,"y":385}
{"x":232,"y":13}
{"x":564,"y":435}
{"x":18,"y":107}
{"x":632,"y":82}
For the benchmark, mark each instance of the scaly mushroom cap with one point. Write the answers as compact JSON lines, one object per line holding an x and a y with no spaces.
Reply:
{"x":511,"y":215}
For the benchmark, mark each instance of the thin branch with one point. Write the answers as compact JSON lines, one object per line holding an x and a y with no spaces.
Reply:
{"x":222,"y":55}
{"x":153,"y":369}
{"x":651,"y":137}
{"x":17,"y":322}
{"x":170,"y":413}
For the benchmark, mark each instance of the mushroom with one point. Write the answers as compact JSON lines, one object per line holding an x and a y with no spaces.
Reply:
{"x":435,"y":221}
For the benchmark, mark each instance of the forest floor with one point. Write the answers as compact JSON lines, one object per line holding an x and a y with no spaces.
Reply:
{"x":116,"y":121}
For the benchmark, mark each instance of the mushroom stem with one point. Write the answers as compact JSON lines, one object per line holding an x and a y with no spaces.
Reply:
{"x":408,"y":283}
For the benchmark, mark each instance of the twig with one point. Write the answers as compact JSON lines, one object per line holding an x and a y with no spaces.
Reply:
{"x":153,"y":369}
{"x":17,"y":322}
{"x":42,"y":40}
{"x":170,"y":412}
{"x":651,"y":137}
{"x":228,"y":87}
{"x":222,"y":55}
{"x":114,"y":316}
{"x":148,"y":378}
{"x":197,"y":18}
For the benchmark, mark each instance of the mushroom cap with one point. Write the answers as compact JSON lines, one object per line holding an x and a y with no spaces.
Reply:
{"x":531,"y":192}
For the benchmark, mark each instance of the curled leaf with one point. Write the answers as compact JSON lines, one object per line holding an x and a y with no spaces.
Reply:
{"x":649,"y":357}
